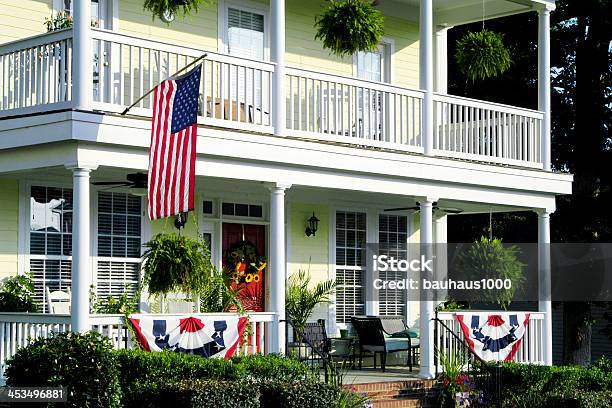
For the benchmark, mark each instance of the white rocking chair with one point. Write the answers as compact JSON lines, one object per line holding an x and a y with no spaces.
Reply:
{"x":58,"y":301}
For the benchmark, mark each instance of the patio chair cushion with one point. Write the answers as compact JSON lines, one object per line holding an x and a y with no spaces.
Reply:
{"x":405,"y":334}
{"x":394,"y":344}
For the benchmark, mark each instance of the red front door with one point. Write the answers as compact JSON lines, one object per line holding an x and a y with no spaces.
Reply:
{"x":251,"y":240}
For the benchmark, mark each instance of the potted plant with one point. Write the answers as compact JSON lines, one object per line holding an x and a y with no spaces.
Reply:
{"x":167,"y":9}
{"x":348,"y":26}
{"x":175,"y":263}
{"x":482,"y":55}
{"x":300,"y":301}
{"x":17,"y":294}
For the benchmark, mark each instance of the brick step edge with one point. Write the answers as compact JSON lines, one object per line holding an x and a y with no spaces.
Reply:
{"x":402,"y":403}
{"x":397,"y":394}
{"x":412,"y":385}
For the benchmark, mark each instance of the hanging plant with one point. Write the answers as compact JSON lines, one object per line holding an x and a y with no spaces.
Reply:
{"x":482,"y":55}
{"x":348,"y":26}
{"x":490,"y":260}
{"x":166,"y":10}
{"x":174,"y":263}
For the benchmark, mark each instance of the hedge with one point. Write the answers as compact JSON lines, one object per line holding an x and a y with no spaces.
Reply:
{"x":539,"y":386}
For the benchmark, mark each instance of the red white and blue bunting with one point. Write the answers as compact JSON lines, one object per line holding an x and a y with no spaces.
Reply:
{"x":212,"y":336}
{"x":494,"y":337}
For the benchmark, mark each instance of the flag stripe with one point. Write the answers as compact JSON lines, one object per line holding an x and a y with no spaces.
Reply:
{"x":173,"y":146}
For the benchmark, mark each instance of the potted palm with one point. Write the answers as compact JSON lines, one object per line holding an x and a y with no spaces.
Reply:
{"x":300,"y":300}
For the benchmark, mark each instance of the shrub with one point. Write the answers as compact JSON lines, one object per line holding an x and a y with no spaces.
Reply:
{"x":273,"y":367}
{"x":200,"y":394}
{"x":16,"y":294}
{"x":301,"y":394}
{"x":84,"y":363}
{"x":536,"y":386}
{"x":143,"y":372}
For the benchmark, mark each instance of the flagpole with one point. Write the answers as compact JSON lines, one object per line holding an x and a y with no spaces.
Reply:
{"x":186,"y":67}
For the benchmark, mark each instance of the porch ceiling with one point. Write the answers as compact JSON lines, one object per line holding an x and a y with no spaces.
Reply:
{"x":458,"y":12}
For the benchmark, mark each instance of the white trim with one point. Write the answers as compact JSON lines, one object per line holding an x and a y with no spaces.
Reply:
{"x":245,"y":5}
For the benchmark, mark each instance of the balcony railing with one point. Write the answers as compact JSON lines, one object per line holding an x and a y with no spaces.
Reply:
{"x":236,"y":93}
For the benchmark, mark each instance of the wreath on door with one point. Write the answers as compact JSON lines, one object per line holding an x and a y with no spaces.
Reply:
{"x":243,"y":262}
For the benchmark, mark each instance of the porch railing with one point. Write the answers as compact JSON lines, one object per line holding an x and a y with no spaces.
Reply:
{"x":36,"y":73}
{"x":236,"y":93}
{"x":531,"y":350}
{"x":475,"y":130}
{"x":337,"y":108}
{"x":20,"y":329}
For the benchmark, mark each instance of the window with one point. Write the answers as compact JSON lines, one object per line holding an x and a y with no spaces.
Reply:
{"x":242,"y":210}
{"x":372,"y":66}
{"x":207,"y":207}
{"x":350,"y":264}
{"x":246,"y":39}
{"x":50,"y":233}
{"x":119,"y":235}
{"x":245,"y":34}
{"x":99,"y":10}
{"x":393,"y":241}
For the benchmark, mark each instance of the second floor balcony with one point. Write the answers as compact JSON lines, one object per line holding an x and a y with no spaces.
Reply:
{"x":37,"y":75}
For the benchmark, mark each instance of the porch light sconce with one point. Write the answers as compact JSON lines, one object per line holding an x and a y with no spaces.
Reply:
{"x":313,"y":225}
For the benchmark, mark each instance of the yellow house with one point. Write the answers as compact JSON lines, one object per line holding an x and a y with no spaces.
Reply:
{"x":285,"y":131}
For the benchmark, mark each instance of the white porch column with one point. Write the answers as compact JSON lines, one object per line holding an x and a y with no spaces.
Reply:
{"x":426,"y":307}
{"x":82,"y":92}
{"x":441,"y":251}
{"x":544,"y":83}
{"x":426,"y":73}
{"x":544,"y":282}
{"x":278,"y":57}
{"x":441,"y":60}
{"x":278,"y":274}
{"x":81,"y":243}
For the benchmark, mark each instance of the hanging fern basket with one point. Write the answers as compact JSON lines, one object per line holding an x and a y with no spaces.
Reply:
{"x":166,"y":10}
{"x":349,"y":26}
{"x":482,"y":55}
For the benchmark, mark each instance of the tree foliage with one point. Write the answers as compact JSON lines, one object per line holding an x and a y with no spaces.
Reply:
{"x":581,"y":35}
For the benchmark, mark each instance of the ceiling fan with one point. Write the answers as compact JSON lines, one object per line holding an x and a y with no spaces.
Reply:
{"x":137,"y":182}
{"x":417,"y":207}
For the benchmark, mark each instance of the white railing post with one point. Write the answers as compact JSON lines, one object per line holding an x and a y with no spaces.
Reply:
{"x":544,"y":104}
{"x":83,"y":56}
{"x":81,"y":240}
{"x":426,"y":74}
{"x":544,"y":282}
{"x":278,"y":57}
{"x":426,"y":306}
{"x":277,"y":266}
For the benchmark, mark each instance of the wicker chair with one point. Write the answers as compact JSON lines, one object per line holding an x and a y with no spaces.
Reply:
{"x":372,"y":339}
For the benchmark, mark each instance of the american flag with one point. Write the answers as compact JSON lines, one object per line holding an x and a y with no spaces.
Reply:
{"x":173,"y":145}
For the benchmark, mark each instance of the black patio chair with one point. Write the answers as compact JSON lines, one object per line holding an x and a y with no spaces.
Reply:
{"x":372,"y":339}
{"x":396,"y":327}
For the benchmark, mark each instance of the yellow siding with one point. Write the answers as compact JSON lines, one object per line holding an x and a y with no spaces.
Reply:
{"x":198,"y":30}
{"x":309,"y":253}
{"x":9,"y":226}
{"x":23,"y":18}
{"x":26,"y":18}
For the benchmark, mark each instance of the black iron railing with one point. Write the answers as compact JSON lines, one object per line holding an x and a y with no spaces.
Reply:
{"x":487,"y":376}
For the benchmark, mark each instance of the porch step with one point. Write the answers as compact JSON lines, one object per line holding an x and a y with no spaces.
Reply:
{"x":392,"y":394}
